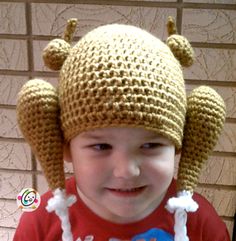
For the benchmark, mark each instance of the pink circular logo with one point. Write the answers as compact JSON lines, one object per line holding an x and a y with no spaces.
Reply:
{"x":28,"y":200}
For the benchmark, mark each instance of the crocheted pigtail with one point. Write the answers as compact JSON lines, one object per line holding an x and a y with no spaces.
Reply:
{"x":204,"y":121}
{"x":38,"y":118}
{"x":38,"y":114}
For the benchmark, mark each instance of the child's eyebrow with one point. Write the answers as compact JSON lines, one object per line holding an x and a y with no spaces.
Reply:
{"x":156,"y":137}
{"x":153,"y":136}
{"x":90,"y":135}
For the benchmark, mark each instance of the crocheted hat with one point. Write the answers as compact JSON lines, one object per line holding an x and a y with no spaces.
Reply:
{"x":119,"y":75}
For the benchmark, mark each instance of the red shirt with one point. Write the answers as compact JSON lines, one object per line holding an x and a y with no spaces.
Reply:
{"x":203,"y":225}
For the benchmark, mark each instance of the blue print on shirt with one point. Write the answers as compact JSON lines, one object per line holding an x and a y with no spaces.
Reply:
{"x":153,"y":234}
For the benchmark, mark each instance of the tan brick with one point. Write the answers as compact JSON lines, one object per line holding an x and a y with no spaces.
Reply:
{"x":49,"y":19}
{"x":209,"y":25}
{"x":224,"y":201}
{"x":12,"y":18}
{"x":11,"y":183}
{"x":13,"y":54}
{"x":8,"y":124}
{"x":219,"y":170}
{"x":213,"y":64}
{"x":15,"y":155}
{"x":9,"y":214}
{"x":227,"y":141}
{"x":9,"y":88}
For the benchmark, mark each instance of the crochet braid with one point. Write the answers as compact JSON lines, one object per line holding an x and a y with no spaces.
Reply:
{"x":38,"y":117}
{"x":204,"y":121}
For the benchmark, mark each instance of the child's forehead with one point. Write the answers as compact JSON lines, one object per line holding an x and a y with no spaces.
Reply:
{"x":121,"y":131}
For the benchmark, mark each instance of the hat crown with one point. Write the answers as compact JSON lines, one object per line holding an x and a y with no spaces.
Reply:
{"x":122,"y":75}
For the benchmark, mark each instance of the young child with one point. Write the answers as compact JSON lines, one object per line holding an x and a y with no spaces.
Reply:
{"x":121,"y":116}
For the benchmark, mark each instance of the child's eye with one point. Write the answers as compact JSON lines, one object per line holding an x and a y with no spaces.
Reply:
{"x":102,"y":147}
{"x":150,"y":145}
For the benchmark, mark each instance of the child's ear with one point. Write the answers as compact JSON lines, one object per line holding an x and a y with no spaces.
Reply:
{"x":177,"y":155}
{"x":66,"y":153}
{"x":178,"y":151}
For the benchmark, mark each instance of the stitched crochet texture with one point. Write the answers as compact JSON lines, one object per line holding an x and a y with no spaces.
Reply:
{"x":204,"y":121}
{"x":122,"y":76}
{"x":38,"y":117}
{"x":119,"y":75}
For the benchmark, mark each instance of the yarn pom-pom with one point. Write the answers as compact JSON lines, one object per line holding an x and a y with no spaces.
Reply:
{"x":181,"y":49}
{"x":55,"y":53}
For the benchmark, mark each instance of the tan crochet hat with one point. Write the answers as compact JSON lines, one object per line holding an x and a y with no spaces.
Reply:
{"x":119,"y":75}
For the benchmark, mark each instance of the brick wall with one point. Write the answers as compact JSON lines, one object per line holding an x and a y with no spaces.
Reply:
{"x":27,"y":26}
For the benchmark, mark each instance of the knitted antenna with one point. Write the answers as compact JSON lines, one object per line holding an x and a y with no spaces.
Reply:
{"x":179,"y":45}
{"x":204,"y":121}
{"x":57,"y":50}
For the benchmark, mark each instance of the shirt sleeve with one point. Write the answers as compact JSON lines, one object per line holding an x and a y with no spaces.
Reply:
{"x":26,"y":229}
{"x":207,"y":223}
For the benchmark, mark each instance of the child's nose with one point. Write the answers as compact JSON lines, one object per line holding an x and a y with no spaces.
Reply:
{"x":126,"y":167}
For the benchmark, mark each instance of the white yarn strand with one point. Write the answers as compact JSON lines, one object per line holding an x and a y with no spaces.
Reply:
{"x":60,"y":203}
{"x":180,"y":225}
{"x":180,"y":205}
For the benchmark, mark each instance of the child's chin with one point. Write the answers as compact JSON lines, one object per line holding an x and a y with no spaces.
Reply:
{"x":126,"y":214}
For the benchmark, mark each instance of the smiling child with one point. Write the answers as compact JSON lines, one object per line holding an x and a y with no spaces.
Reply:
{"x":121,"y":116}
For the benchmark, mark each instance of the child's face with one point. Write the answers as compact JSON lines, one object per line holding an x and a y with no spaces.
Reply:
{"x":122,"y":174}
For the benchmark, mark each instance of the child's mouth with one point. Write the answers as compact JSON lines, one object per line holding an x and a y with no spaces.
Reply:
{"x":127,"y":192}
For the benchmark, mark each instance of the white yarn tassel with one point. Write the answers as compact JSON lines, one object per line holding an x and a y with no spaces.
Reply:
{"x":180,"y":205}
{"x":60,"y":203}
